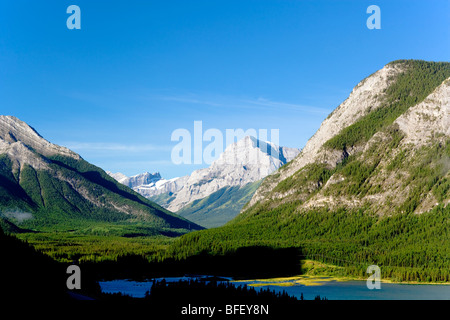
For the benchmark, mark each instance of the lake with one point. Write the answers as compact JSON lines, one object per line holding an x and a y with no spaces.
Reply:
{"x":331,"y":289}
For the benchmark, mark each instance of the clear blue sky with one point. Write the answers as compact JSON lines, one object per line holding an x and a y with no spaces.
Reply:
{"x":137,"y":70}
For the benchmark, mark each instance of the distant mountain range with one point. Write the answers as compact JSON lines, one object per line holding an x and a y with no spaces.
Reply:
{"x":143,"y":179}
{"x":214,"y":195}
{"x":53,"y":184}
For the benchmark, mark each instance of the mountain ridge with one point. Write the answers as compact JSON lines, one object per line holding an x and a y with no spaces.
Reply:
{"x":56,"y":184}
{"x":318,"y":149}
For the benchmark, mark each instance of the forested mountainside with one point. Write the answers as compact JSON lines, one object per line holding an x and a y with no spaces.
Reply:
{"x":49,"y":185}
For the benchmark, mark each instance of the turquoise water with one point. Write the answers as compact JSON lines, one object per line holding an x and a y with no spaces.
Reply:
{"x":332,"y":290}
{"x":357,"y":290}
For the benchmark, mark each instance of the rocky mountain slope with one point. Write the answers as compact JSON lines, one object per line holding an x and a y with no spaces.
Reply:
{"x":389,"y":119}
{"x":54,"y":184}
{"x":363,"y":98}
{"x":219,"y":207}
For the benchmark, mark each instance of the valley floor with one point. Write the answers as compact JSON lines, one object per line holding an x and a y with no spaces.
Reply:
{"x":70,"y":246}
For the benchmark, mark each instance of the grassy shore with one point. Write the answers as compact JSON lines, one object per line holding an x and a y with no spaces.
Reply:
{"x":316,"y":273}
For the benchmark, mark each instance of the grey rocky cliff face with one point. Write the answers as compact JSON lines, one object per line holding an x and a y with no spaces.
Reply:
{"x":21,"y":143}
{"x":366,"y":96}
{"x":428,"y":118}
{"x":422,"y":125}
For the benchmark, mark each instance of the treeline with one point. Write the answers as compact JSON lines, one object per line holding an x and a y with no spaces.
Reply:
{"x":97,"y":242}
{"x":407,"y":247}
{"x":213,"y":292}
{"x":27,"y":275}
{"x":242,"y":263}
{"x":193,"y":298}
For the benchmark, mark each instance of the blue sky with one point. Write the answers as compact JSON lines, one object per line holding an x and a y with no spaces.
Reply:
{"x":115,"y":90}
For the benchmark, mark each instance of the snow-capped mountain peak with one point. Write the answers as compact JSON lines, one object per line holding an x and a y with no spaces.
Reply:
{"x":245,"y":161}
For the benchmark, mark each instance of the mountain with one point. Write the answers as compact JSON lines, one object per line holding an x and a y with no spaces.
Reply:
{"x":51,"y":184}
{"x":137,"y":180}
{"x":219,"y":207}
{"x":227,"y":184}
{"x":162,"y":187}
{"x":370,"y":187}
{"x":246,"y":161}
{"x":366,"y":151}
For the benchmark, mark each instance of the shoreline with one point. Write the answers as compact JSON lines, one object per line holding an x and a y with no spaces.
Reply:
{"x":317,"y":280}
